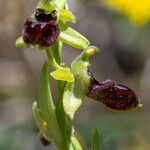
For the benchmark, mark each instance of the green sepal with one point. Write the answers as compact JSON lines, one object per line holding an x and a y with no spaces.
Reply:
{"x":32,"y":16}
{"x":75,"y":92}
{"x":47,"y":5}
{"x":67,"y":16}
{"x":63,"y":74}
{"x":60,"y":3}
{"x":66,"y":6}
{"x":20,"y":42}
{"x":95,"y":140}
{"x":72,"y":37}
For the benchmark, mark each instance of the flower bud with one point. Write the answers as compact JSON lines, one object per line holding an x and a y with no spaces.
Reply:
{"x":41,"y":33}
{"x":115,"y":96}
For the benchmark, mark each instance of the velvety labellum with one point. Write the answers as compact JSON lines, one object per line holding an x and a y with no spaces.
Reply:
{"x":115,"y":96}
{"x":42,"y":33}
{"x":41,"y":16}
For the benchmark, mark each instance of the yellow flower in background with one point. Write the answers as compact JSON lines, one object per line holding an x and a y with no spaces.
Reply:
{"x":137,"y":10}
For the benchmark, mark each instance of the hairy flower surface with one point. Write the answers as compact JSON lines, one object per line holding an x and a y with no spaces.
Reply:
{"x":42,"y":33}
{"x":137,"y":10}
{"x":40,"y":15}
{"x":115,"y":96}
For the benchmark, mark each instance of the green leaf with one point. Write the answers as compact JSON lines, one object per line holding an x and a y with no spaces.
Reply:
{"x":45,"y":102}
{"x":63,"y":74}
{"x":66,"y":15}
{"x":64,"y":122}
{"x":45,"y":97}
{"x":60,"y":111}
{"x":41,"y":122}
{"x":20,"y":42}
{"x":95,"y":140}
{"x":72,"y":37}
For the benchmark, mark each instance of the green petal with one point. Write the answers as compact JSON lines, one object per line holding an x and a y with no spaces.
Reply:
{"x":72,"y":37}
{"x":66,"y":15}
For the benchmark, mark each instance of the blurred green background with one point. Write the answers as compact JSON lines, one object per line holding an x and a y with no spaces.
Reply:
{"x":124,"y":57}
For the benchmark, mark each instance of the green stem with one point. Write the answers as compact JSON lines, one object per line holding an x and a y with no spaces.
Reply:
{"x":55,"y":61}
{"x":57,"y":51}
{"x":76,"y":145}
{"x":69,"y":142}
{"x":52,"y":59}
{"x":95,"y":140}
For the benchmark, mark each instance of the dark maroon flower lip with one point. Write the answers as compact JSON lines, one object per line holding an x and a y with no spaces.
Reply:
{"x":43,"y":34}
{"x":41,"y":16}
{"x":115,"y":96}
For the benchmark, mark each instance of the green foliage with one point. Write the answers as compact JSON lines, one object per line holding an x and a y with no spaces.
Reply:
{"x":72,"y":37}
{"x":44,"y":111}
{"x":67,"y":16}
{"x":60,"y":3}
{"x":95,"y":139}
{"x":75,"y":92}
{"x":56,"y":121}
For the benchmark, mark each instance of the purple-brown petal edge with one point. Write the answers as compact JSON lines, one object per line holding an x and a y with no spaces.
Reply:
{"x":43,"y":34}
